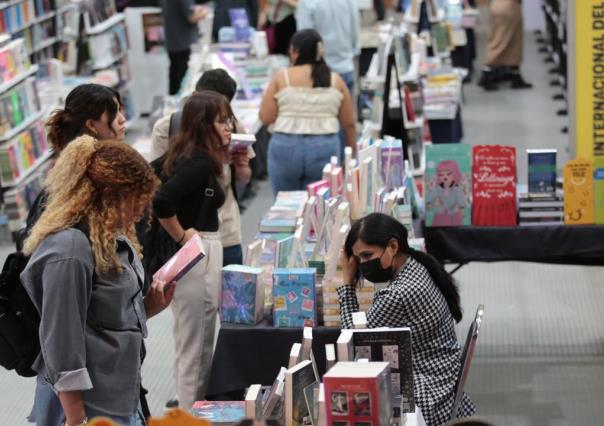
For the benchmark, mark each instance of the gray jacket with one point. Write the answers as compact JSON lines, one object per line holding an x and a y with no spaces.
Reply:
{"x":92,"y":327}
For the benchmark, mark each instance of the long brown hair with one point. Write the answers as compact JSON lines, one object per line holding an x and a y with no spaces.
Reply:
{"x":105,"y":185}
{"x":197,"y":134}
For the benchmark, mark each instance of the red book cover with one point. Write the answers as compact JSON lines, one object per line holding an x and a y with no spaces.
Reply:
{"x":494,"y":185}
{"x":182,"y":262}
{"x":409,"y":105}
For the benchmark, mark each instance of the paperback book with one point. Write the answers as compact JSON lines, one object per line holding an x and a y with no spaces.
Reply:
{"x":182,"y":262}
{"x":294,"y":298}
{"x":242,"y":300}
{"x":541,"y":172}
{"x":297,"y":379}
{"x":392,"y":163}
{"x":448,"y":185}
{"x":578,"y":193}
{"x":219,"y":412}
{"x":494,"y":185}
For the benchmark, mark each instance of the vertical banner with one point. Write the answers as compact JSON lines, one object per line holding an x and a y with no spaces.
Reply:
{"x":589,"y":66}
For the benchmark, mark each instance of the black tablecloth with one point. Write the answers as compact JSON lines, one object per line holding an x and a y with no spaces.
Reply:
{"x":247,"y":355}
{"x":583,"y":245}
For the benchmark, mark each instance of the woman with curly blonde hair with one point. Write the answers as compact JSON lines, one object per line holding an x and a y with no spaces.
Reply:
{"x":85,"y":278}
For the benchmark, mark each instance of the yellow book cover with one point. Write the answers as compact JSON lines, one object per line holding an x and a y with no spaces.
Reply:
{"x":578,"y":192}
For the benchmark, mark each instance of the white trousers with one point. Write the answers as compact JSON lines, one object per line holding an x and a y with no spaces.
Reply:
{"x":195,"y":309}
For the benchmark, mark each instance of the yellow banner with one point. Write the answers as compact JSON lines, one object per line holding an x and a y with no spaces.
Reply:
{"x":589,"y":72}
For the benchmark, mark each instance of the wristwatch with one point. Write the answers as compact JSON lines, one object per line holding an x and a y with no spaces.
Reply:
{"x":82,"y":423}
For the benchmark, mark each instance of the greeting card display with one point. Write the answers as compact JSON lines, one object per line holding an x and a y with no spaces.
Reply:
{"x":448,"y":185}
{"x":494,"y":185}
{"x":578,"y":193}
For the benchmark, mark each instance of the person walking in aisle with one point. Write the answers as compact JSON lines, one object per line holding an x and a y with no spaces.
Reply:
{"x":306,"y":102}
{"x":421,"y":295}
{"x":186,"y":204}
{"x":280,"y":14}
{"x":504,"y":48}
{"x":180,"y":24}
{"x":85,"y":279}
{"x":90,"y":109}
{"x":236,"y":171}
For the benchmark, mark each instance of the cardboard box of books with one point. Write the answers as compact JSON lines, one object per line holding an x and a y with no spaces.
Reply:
{"x":242,"y":296}
{"x":294,"y":300}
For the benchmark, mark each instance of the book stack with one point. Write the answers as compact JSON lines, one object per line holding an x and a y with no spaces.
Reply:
{"x":330,"y":303}
{"x":358,"y":394}
{"x":294,"y":298}
{"x":21,"y":154}
{"x":540,"y":210}
{"x":17,"y":106}
{"x":242,"y":295}
{"x":441,"y":96}
{"x":284,"y":214}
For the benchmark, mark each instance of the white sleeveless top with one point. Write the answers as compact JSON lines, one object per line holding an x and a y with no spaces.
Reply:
{"x":308,"y":110}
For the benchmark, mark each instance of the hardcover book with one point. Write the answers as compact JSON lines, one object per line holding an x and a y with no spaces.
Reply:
{"x":294,"y":298}
{"x":578,"y":193}
{"x":182,"y":262}
{"x":599,"y":190}
{"x":242,"y":298}
{"x":448,"y":185}
{"x":297,"y":379}
{"x":541,"y":171}
{"x":358,"y":394}
{"x":494,"y":185}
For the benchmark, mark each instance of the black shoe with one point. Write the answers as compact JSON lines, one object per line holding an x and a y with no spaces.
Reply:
{"x":564,"y":129}
{"x":558,"y":97}
{"x":555,"y":82}
{"x":173,"y":403}
{"x":488,"y":81}
{"x":562,"y":112}
{"x":519,"y":83}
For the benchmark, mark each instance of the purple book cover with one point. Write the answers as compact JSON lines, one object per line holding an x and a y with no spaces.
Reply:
{"x":392,"y":161}
{"x":240,"y":23}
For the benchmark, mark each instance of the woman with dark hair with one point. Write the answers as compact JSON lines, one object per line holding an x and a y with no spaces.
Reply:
{"x":90,"y":109}
{"x":186,"y":204}
{"x":307,"y":104}
{"x":421,"y":295}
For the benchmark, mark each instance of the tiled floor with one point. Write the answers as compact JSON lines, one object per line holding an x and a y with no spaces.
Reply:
{"x":540,"y":356}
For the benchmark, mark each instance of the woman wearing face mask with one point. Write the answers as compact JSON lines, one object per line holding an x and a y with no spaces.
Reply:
{"x":186,"y":204}
{"x":421,"y":295}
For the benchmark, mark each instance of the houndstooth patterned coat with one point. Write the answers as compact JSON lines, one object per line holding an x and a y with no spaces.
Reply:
{"x":412,"y":300}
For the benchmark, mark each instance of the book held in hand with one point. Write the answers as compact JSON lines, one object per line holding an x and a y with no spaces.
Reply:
{"x":182,"y":262}
{"x":241,"y":141}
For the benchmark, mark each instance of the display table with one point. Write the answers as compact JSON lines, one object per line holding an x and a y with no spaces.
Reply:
{"x":247,"y":355}
{"x":579,"y":245}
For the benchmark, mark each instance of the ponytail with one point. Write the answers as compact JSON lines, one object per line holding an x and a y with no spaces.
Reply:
{"x":309,"y":46}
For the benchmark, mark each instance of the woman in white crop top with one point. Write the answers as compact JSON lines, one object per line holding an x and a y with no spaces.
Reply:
{"x":307,"y":104}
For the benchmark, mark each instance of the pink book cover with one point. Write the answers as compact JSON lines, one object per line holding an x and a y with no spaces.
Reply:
{"x":182,"y":262}
{"x":313,"y":188}
{"x":337,"y":179}
{"x":494,"y":185}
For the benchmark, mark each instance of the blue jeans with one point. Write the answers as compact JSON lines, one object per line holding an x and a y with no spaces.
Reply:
{"x":294,"y":161}
{"x":348,"y":78}
{"x":232,"y":255}
{"x":47,"y":409}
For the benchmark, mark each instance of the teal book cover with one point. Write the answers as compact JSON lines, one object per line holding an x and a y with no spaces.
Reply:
{"x":448,"y":185}
{"x":294,"y":301}
{"x":242,"y":296}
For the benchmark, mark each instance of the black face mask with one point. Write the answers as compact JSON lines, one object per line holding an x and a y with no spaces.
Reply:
{"x":372,"y":270}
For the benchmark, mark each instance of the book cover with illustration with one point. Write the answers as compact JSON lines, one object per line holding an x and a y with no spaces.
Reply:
{"x":358,"y":394}
{"x":392,"y":163}
{"x":599,"y":190}
{"x":448,"y":185}
{"x":541,"y":171}
{"x":298,"y":378}
{"x":242,"y":296}
{"x":578,"y":192}
{"x":493,"y":185}
{"x":294,"y":298}
{"x":219,"y":412}
{"x":182,"y":262}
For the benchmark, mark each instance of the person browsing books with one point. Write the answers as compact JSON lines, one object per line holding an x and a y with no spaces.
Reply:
{"x":420,"y":295}
{"x":186,"y":204}
{"x":85,"y":279}
{"x":306,"y":104}
{"x":236,"y":170}
{"x":90,"y":109}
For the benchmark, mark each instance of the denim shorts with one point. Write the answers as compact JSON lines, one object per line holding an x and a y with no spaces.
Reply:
{"x":294,"y":161}
{"x":47,"y":410}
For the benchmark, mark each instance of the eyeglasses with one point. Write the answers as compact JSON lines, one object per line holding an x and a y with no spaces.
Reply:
{"x":229,"y":121}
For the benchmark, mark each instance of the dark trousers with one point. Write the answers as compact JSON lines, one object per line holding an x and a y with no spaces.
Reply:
{"x":284,"y":31}
{"x":232,"y":255}
{"x":178,"y":68}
